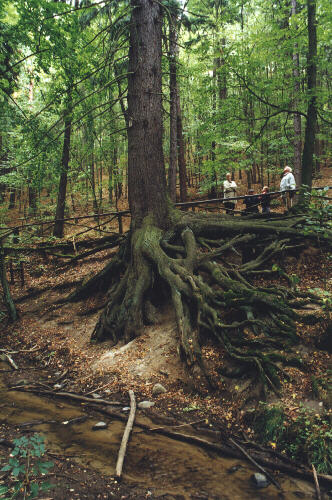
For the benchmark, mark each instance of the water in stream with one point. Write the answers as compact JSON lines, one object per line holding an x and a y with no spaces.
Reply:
{"x":161,"y":464}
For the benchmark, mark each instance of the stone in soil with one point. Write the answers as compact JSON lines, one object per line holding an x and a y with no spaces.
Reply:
{"x":233,"y":469}
{"x":144,"y":405}
{"x":158,"y":389}
{"x":95,"y":395}
{"x":260,"y":480}
{"x":99,"y":425}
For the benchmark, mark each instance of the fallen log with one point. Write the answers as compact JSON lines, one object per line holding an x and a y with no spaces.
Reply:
{"x":318,"y":493}
{"x":67,"y":395}
{"x":126,"y":434}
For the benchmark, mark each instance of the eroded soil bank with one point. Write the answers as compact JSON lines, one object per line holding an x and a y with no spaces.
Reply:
{"x":155,"y":466}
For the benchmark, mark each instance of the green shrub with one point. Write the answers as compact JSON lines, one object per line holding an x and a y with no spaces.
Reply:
{"x":307,"y":438}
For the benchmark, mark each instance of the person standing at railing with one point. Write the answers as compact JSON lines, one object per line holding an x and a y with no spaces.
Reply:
{"x":230,"y":188}
{"x":288,"y":186}
{"x":265,"y":200}
{"x":251,"y":202}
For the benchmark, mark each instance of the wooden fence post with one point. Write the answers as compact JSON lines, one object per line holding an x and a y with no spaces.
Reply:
{"x":120,"y":224}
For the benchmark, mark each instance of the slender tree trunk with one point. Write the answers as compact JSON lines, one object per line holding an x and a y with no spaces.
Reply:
{"x":61,"y":201}
{"x":32,"y":195}
{"x":12,"y":197}
{"x":181,"y":152}
{"x":93,"y":180}
{"x":297,"y":116}
{"x":145,"y":153}
{"x":2,"y":169}
{"x":173,"y":109}
{"x":310,"y":129}
{"x":5,"y":287}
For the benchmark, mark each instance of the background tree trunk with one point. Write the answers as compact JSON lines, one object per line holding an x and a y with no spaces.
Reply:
{"x":181,"y":152}
{"x":297,"y":116}
{"x":173,"y":109}
{"x":310,"y":129}
{"x":60,"y":209}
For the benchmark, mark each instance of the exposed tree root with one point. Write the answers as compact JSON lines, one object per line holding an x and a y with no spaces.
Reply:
{"x":212,"y":295}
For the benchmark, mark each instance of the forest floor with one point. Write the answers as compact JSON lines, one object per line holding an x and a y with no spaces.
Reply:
{"x":58,"y":338}
{"x":59,"y":335}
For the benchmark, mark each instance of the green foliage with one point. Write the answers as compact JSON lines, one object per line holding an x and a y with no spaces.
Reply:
{"x":26,"y":467}
{"x":308,"y":437}
{"x":326,"y":297}
{"x":319,"y":214}
{"x":321,"y":385}
{"x":191,"y":407}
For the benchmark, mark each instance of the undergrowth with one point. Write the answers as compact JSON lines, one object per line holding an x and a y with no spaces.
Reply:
{"x":307,"y":438}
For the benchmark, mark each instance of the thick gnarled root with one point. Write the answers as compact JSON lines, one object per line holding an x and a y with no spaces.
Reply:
{"x":212,"y":298}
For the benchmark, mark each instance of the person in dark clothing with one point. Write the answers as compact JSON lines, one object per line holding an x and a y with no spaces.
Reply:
{"x":265,"y":200}
{"x":251,"y":202}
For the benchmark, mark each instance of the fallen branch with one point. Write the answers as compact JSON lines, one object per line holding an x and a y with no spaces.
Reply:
{"x":259,"y":467}
{"x":33,"y":349}
{"x":67,"y":395}
{"x":11,"y":361}
{"x":37,"y":422}
{"x":61,"y":377}
{"x":187,"y":424}
{"x":319,"y":496}
{"x":126,"y":434}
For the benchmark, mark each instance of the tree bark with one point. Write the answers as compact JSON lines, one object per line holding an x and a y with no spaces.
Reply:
{"x":297,"y":116}
{"x":310,"y":129}
{"x":32,"y":195}
{"x":12,"y":198}
{"x":60,"y":209}
{"x":5,"y":287}
{"x":146,"y":171}
{"x":181,"y":152}
{"x":172,"y":170}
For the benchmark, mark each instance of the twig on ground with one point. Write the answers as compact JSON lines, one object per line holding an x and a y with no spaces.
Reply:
{"x":33,"y":349}
{"x":126,"y":434}
{"x":100,"y":388}
{"x":11,"y":361}
{"x":259,"y":467}
{"x":319,"y":496}
{"x":62,"y":376}
{"x":154,"y":429}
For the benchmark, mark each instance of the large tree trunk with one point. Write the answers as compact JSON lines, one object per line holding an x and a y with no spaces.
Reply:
{"x":145,"y":153}
{"x":310,"y":129}
{"x":60,"y":209}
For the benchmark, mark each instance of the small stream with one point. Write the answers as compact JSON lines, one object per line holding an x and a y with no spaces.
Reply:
{"x":156,"y":462}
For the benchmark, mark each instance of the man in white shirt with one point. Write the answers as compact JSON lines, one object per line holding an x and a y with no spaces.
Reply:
{"x":230,"y":188}
{"x":288,"y":186}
